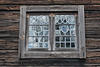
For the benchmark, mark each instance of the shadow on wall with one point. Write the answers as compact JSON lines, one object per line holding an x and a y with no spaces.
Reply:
{"x":53,"y":62}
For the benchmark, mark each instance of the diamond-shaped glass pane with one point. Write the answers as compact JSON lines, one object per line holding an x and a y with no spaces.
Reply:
{"x":65,"y":19}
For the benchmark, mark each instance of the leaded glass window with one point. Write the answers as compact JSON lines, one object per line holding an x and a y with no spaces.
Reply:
{"x":65,"y":31}
{"x":52,"y":31}
{"x":38,"y":31}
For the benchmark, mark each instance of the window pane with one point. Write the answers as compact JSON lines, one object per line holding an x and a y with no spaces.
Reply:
{"x":62,"y":44}
{"x":67,"y":45}
{"x":45,"y":45}
{"x":41,"y":45}
{"x":72,"y":44}
{"x":38,"y":31}
{"x":57,"y":44}
{"x":65,"y":31}
{"x":57,"y":39}
{"x":72,"y":38}
{"x":67,"y":39}
{"x":65,"y":19}
{"x":38,"y":19}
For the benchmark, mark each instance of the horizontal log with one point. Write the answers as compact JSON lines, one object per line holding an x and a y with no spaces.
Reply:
{"x":92,"y":7}
{"x":11,"y":27}
{"x":95,"y":20}
{"x":92,"y":32}
{"x":11,"y":60}
{"x":9,"y":44}
{"x":10,"y":7}
{"x":9,"y":34}
{"x":9,"y":17}
{"x":92,"y":14}
{"x":8,"y":51}
{"x":92,"y":42}
{"x":9,"y":47}
{"x":95,"y":1}
{"x":93,"y":54}
{"x":93,"y":36}
{"x":92,"y":61}
{"x":4,"y":54}
{"x":17,"y":7}
{"x":46,"y":2}
{"x":93,"y":49}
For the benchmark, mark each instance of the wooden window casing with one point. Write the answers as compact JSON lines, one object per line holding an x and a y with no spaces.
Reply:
{"x":80,"y":52}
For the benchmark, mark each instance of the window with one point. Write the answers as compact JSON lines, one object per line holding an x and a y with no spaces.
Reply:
{"x":52,"y":32}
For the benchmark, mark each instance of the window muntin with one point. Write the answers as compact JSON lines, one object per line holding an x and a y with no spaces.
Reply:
{"x":65,"y":31}
{"x":38,"y":30}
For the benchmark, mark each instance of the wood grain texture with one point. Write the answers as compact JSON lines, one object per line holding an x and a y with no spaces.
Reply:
{"x":9,"y":32}
{"x":17,"y":7}
{"x":45,"y":2}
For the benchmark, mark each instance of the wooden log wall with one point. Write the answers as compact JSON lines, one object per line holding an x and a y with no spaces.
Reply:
{"x":9,"y":34}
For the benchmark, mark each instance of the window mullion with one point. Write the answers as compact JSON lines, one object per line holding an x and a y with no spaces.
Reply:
{"x":53,"y":32}
{"x":50,"y":32}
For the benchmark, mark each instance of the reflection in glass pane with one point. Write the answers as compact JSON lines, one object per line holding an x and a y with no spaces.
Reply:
{"x":62,"y":44}
{"x":62,"y":39}
{"x":59,"y":21}
{"x":45,"y":39}
{"x":72,"y":32}
{"x":72,"y":38}
{"x":45,"y":33}
{"x":31,"y":39}
{"x":36,"y":39}
{"x":45,"y":45}
{"x":67,"y":45}
{"x":38,"y":29}
{"x":72,"y":44}
{"x":40,"y":39}
{"x":72,"y":27}
{"x":40,"y":44}
{"x":64,"y":28}
{"x":64,"y":21}
{"x":57,"y":27}
{"x":68,"y":33}
{"x":35,"y":45}
{"x":57,"y":38}
{"x":45,"y":27}
{"x":62,"y":33}
{"x":57,"y":44}
{"x":30,"y":45}
{"x":57,"y":33}
{"x":67,"y":38}
{"x":36,"y":34}
{"x":41,"y":33}
{"x":31,"y":31}
{"x":32,"y":20}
